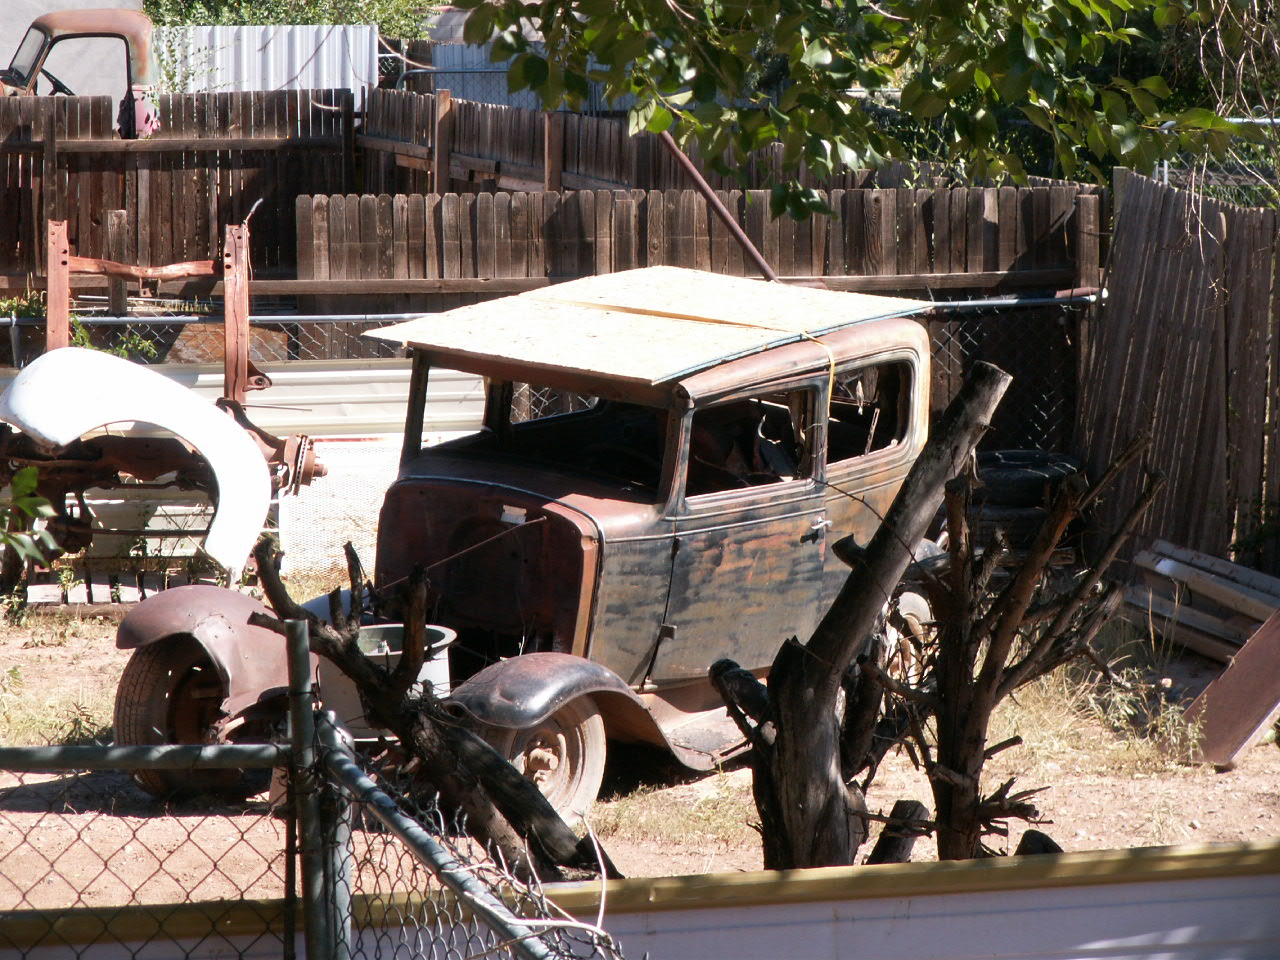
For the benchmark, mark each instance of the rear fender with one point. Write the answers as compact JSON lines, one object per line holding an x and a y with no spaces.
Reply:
{"x":522,"y":691}
{"x":251,"y":661}
{"x":67,"y":393}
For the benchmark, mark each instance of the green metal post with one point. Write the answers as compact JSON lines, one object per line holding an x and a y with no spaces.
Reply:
{"x":302,"y":771}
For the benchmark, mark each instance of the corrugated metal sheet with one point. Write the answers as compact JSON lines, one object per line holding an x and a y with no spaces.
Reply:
{"x":467,"y":72}
{"x":228,"y":59}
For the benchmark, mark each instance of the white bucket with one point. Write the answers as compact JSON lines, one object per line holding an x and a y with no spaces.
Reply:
{"x":383,"y":643}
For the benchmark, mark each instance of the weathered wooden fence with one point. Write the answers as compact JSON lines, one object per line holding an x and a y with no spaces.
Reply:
{"x":421,"y":143}
{"x":1185,"y":347}
{"x":888,"y":240}
{"x":216,"y":155}
{"x":429,"y":252}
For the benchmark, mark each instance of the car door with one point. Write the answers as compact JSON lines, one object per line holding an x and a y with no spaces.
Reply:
{"x":876,"y":426}
{"x":750,"y":537}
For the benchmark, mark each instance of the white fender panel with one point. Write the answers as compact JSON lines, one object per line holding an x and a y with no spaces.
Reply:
{"x":66,"y":393}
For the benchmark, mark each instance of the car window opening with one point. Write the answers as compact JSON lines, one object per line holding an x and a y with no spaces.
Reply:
{"x":869,"y":410}
{"x":749,"y":443}
{"x":608,"y":439}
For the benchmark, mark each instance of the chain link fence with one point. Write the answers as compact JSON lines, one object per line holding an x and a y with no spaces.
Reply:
{"x":467,"y":903}
{"x":90,"y":865}
{"x":1037,"y":345}
{"x":200,"y":338}
{"x":353,"y":859}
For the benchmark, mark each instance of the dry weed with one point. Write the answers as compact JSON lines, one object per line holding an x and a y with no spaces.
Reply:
{"x":61,"y":688}
{"x":716,"y":810}
{"x":1076,"y":720}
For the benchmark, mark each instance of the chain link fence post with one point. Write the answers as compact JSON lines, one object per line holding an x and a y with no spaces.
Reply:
{"x":337,"y":812}
{"x":306,"y":792}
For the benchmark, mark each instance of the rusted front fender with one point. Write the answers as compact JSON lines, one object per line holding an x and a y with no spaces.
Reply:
{"x":522,"y":691}
{"x":251,"y":661}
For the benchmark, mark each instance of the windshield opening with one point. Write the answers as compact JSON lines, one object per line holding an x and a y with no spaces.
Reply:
{"x":610,"y":440}
{"x":24,"y":61}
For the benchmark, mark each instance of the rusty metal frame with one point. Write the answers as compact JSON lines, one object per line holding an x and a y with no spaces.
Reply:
{"x":100,"y":461}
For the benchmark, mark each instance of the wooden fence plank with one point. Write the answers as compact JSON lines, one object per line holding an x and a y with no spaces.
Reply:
{"x":486,"y":236}
{"x":1007,"y":228}
{"x":501,"y":236}
{"x":415,"y":236}
{"x":520,"y":220}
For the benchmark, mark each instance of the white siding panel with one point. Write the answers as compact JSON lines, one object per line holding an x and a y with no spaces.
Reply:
{"x":228,"y":59}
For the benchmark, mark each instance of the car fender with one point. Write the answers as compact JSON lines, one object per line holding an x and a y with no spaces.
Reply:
{"x":64,"y":394}
{"x":523,"y":691}
{"x":251,"y":661}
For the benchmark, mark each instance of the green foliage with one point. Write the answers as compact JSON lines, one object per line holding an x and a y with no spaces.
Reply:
{"x":29,"y":303}
{"x":394,"y":18}
{"x":131,"y":345}
{"x":28,"y":506}
{"x":733,"y":75}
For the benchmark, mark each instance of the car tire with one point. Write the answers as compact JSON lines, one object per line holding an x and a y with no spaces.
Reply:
{"x":564,"y":755}
{"x":1020,"y":525}
{"x":170,"y":693}
{"x":1022,"y":478}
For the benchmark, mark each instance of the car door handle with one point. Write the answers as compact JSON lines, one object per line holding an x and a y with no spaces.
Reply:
{"x":817,"y":530}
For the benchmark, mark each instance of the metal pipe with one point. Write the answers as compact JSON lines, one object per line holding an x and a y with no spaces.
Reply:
{"x":340,"y":860}
{"x":717,"y":207}
{"x":302,"y":736}
{"x":524,"y":942}
{"x":284,"y":318}
{"x":996,"y":303}
{"x":220,"y":756}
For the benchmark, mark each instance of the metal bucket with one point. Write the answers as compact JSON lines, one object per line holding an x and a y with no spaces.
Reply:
{"x":383,"y":642}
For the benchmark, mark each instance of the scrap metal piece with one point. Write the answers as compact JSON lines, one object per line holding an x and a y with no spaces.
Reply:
{"x":67,"y":393}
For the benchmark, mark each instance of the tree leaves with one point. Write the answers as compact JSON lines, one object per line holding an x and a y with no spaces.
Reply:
{"x":733,"y":74}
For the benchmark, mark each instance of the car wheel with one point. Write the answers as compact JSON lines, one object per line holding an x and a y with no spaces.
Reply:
{"x":564,"y":755}
{"x":170,"y":693}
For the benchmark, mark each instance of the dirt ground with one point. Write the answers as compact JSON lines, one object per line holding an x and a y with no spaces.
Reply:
{"x":57,"y":682}
{"x":1084,"y":810}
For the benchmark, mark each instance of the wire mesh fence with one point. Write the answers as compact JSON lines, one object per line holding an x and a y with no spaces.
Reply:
{"x":200,"y":338}
{"x":89,"y":862}
{"x":1036,"y":347}
{"x":355,"y":864}
{"x":420,"y":887}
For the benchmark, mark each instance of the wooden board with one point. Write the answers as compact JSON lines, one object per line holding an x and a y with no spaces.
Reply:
{"x":1221,"y":590}
{"x":1245,"y":576}
{"x":1238,"y":707}
{"x":1165,"y":613}
{"x":649,"y":325}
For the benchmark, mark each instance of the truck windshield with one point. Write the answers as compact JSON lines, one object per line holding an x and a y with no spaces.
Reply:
{"x":23,"y":65}
{"x":608,"y":439}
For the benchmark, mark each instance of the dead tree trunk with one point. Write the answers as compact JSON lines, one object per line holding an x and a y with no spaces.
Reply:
{"x":809,"y":816}
{"x":990,"y":642}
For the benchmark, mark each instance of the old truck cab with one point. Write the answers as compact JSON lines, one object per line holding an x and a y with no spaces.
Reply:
{"x":138,"y":114}
{"x":666,"y":458}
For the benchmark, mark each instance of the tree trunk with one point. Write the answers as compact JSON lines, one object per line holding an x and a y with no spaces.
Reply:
{"x":898,"y":839}
{"x":810,"y":817}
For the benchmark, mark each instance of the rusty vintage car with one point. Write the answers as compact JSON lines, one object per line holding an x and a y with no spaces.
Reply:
{"x":666,"y":459}
{"x":139,"y":116}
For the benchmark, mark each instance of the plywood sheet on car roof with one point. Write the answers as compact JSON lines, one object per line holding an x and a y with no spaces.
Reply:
{"x":650,"y":325}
